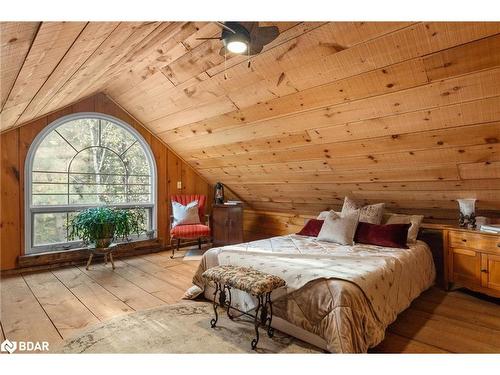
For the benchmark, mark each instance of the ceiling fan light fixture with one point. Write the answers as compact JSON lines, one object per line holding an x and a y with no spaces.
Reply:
{"x":236,"y":39}
{"x":237,"y":46}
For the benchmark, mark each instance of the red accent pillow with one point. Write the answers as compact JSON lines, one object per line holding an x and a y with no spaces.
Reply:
{"x":312,"y":228}
{"x":389,"y":235}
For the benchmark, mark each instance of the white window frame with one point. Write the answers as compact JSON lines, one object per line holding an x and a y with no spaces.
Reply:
{"x":30,"y":210}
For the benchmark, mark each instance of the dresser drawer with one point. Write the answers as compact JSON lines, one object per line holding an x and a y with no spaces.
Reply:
{"x":476,"y":241}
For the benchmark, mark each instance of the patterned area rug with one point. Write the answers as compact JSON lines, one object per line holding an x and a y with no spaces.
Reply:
{"x":180,"y":328}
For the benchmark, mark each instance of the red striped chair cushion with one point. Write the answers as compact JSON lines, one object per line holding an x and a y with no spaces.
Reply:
{"x":190,"y":231}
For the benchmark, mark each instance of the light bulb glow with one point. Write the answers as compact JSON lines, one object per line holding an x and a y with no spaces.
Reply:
{"x":236,"y":46}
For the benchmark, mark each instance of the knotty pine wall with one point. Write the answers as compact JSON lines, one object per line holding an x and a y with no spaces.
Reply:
{"x":259,"y":224}
{"x":402,"y":113}
{"x":15,"y":145}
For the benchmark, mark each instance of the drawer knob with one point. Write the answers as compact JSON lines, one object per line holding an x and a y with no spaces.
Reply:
{"x":485,"y":271}
{"x":464,"y":239}
{"x":498,"y":244}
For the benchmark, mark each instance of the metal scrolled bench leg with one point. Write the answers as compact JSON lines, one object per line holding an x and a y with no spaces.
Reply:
{"x":229,"y":302}
{"x":213,"y":322}
{"x":257,"y":322}
{"x":270,"y":330}
{"x":224,"y":278}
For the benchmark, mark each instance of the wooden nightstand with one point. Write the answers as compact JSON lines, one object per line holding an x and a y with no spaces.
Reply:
{"x":227,"y":224}
{"x":472,"y":260}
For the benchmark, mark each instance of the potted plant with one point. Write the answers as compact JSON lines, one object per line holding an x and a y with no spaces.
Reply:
{"x":100,"y":225}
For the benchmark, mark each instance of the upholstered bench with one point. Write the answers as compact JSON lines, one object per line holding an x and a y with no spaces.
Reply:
{"x":249,"y":280}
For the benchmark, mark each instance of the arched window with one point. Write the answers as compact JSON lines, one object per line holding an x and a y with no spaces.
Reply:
{"x":81,"y":161}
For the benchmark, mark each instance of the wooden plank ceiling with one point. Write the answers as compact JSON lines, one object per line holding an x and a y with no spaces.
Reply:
{"x":407,"y":113}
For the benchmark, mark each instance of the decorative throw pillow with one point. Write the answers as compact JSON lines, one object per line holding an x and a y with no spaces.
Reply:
{"x":323,"y":214}
{"x":339,"y":229}
{"x":312,"y":228}
{"x":368,"y":214}
{"x":414,"y":220}
{"x":187,"y":214}
{"x":390,"y":235}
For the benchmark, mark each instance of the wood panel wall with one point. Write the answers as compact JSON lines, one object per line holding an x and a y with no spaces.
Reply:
{"x":259,"y":224}
{"x":15,"y":145}
{"x":402,"y":112}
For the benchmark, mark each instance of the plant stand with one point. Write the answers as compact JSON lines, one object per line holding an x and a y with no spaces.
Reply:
{"x":102,"y":251}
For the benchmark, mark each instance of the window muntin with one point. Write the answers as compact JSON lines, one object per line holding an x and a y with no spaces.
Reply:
{"x":82,"y":161}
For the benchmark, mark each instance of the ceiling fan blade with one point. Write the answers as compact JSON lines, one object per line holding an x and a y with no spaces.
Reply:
{"x":249,"y":25}
{"x":255,"y":48}
{"x":264,"y":35}
{"x":224,"y":26}
{"x":216,"y":38}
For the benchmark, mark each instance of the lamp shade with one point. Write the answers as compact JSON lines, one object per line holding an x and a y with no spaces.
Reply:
{"x":467,"y":218}
{"x":467,"y":206}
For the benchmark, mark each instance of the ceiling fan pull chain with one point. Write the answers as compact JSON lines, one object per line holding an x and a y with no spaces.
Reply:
{"x":248,"y":56}
{"x":225,"y":66}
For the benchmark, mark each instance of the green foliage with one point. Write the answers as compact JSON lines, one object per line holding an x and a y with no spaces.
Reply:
{"x":108,"y":166}
{"x":98,"y":223}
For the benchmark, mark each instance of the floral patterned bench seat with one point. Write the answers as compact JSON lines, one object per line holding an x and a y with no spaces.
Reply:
{"x":247,"y":279}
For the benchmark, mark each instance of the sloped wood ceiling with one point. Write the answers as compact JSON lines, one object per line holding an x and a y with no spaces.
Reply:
{"x":407,"y":113}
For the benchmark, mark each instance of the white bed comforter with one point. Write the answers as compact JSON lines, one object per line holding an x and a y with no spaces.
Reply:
{"x":347,"y":295}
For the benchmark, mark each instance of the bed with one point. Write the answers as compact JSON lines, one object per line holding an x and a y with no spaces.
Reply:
{"x":340,"y":298}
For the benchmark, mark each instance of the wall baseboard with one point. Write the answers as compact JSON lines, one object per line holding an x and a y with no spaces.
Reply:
{"x":47,"y":261}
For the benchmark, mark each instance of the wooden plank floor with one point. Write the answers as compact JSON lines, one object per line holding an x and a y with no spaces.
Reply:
{"x":54,"y":305}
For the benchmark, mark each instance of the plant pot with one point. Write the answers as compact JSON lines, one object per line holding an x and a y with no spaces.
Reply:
{"x":103,"y":242}
{"x":106,"y":232}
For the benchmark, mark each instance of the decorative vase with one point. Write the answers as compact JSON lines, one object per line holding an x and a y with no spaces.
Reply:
{"x":467,"y":218}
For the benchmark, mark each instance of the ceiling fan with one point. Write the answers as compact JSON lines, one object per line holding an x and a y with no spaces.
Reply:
{"x":244,"y":37}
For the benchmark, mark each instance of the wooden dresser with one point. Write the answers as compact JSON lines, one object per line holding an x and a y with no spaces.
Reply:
{"x":472,"y":260}
{"x":227,"y":224}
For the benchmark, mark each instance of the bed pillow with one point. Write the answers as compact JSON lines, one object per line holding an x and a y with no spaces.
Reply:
{"x":339,"y":228}
{"x":312,"y":228}
{"x":414,"y":220}
{"x":368,"y":214}
{"x":323,"y":214}
{"x":388,"y":235}
{"x":187,"y":214}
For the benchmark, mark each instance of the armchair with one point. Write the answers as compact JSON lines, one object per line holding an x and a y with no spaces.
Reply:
{"x":190,"y":231}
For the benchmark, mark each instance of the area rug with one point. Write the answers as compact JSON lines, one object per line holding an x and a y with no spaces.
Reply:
{"x":179,"y":328}
{"x":194,"y":254}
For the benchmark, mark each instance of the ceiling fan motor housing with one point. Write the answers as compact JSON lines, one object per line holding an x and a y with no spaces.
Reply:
{"x":241,"y":34}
